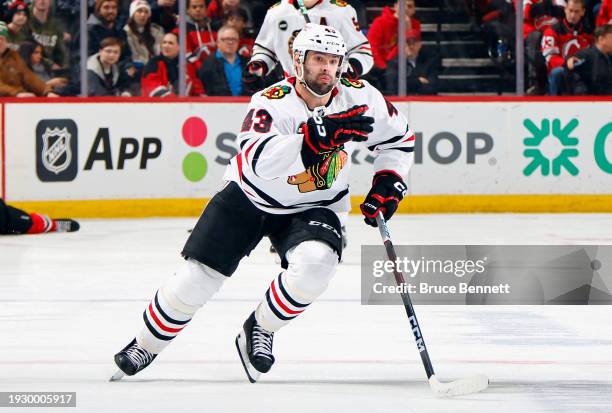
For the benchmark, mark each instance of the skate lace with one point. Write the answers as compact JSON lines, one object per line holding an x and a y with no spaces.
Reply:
{"x":138,"y":355}
{"x":262,"y":342}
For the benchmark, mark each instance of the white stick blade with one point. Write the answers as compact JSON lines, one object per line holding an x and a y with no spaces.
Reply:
{"x":459,"y":387}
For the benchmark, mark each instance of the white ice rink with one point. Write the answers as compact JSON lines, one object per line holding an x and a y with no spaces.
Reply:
{"x":69,"y":302}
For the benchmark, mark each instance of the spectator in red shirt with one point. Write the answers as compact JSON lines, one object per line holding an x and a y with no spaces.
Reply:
{"x":541,"y":14}
{"x":564,"y":39}
{"x":201,"y":39}
{"x":605,"y":13}
{"x":161,"y":74}
{"x":538,"y":15}
{"x":383,"y":32}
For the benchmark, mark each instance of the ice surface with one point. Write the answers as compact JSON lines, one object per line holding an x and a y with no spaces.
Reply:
{"x":68,"y":302}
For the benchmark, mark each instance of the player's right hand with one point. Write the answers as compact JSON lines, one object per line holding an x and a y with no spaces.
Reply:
{"x":253,"y":76}
{"x":325,"y":133}
{"x":257,"y":68}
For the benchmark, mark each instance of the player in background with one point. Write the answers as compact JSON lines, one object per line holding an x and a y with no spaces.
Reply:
{"x":14,"y":221}
{"x":289,"y":183}
{"x":284,"y":21}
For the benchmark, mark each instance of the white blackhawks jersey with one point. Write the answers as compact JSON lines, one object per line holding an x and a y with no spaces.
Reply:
{"x":269,"y":167}
{"x":283,"y":22}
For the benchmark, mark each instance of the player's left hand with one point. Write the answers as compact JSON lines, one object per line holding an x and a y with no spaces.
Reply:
{"x":353,"y":70}
{"x":388,"y":189}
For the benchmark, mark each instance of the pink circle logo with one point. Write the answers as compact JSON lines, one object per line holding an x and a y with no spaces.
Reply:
{"x":194,"y":131}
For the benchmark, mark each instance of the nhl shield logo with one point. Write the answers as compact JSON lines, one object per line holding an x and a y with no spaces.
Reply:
{"x":56,"y":150}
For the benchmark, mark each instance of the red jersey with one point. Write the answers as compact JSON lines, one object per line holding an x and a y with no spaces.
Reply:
{"x":605,"y":13}
{"x":538,"y":21}
{"x":160,"y":78}
{"x":383,"y":36}
{"x":562,"y":41}
{"x":201,"y":42}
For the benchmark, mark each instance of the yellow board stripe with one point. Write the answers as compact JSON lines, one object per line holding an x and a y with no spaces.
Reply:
{"x":417,"y":204}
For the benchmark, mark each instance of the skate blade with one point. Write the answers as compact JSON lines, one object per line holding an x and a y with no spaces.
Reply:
{"x":252,"y":374}
{"x":117,"y":376}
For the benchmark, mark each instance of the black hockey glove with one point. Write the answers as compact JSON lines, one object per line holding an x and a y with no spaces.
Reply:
{"x":388,"y":189}
{"x":354,"y":70}
{"x":253,"y":76}
{"x":326,"y":133}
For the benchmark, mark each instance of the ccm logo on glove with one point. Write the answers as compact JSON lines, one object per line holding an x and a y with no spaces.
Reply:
{"x":320,"y":128}
{"x":388,"y":189}
{"x":327,"y":133}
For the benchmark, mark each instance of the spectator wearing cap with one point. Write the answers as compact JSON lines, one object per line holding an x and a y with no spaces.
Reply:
{"x":221,"y":73}
{"x":592,"y":67}
{"x":143,"y":37}
{"x":161,"y":74}
{"x":422,"y":68}
{"x":18,"y":29}
{"x":49,"y":32}
{"x":105,"y":78}
{"x":238,"y":19}
{"x":16,"y":80}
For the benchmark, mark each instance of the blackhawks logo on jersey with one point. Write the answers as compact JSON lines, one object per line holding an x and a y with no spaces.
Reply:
{"x":321,"y":175}
{"x":339,"y":3}
{"x":277,"y":92}
{"x":356,"y":83}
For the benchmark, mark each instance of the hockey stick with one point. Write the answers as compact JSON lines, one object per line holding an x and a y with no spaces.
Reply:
{"x":303,"y":10}
{"x":455,"y":388}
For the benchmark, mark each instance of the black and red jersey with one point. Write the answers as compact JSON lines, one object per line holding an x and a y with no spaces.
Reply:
{"x":160,"y":78}
{"x":201,"y":42}
{"x":563,"y":40}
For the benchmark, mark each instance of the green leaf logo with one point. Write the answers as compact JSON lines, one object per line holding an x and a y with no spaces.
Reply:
{"x":545,"y":131}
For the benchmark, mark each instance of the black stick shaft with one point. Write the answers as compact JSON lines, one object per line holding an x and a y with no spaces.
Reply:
{"x":303,"y":11}
{"x":399,"y":279}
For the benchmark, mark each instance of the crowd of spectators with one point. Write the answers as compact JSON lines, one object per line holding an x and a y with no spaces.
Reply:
{"x":133,"y":45}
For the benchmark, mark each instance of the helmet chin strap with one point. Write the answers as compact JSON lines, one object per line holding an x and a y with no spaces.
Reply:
{"x":303,"y":82}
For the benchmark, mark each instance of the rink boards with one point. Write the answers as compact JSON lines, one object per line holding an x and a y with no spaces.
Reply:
{"x":141,"y":157}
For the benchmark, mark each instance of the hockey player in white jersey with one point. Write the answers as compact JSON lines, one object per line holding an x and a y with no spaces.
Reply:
{"x":282,"y":23}
{"x":289,"y":182}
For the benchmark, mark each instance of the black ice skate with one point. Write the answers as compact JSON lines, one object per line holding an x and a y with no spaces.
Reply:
{"x":254,"y":345}
{"x":66,"y":225}
{"x":131,"y":360}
